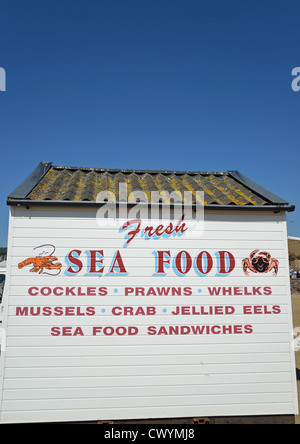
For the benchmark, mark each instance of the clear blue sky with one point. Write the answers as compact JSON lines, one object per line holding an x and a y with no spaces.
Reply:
{"x":160,"y":84}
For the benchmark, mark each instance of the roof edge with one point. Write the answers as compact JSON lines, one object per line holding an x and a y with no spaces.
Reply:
{"x":139,"y":171}
{"x":263,"y":192}
{"x":31,"y":181}
{"x":68,"y":203}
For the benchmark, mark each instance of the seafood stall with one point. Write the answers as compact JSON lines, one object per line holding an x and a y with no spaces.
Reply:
{"x":133,"y":295}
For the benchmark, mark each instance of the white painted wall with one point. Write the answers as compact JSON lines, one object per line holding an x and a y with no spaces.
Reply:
{"x":87,"y":377}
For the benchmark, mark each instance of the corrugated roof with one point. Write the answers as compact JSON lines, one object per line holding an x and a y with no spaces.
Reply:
{"x":74,"y":184}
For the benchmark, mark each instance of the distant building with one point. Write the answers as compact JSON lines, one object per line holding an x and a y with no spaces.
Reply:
{"x":294,"y":252}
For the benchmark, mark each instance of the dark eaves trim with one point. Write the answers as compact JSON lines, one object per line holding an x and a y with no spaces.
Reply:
{"x":68,"y":203}
{"x":31,"y":181}
{"x":258,"y":189}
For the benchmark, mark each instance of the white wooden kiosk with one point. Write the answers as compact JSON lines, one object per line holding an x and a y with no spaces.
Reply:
{"x":110,"y":319}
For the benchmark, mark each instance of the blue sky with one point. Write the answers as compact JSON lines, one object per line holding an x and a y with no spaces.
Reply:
{"x":189,"y":85}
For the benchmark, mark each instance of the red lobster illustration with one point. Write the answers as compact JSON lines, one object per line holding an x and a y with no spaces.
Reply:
{"x":40,"y":262}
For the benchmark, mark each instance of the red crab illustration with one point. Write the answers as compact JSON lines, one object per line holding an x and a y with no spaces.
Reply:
{"x":260,"y":262}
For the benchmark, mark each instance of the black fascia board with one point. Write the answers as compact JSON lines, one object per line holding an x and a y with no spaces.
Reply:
{"x":31,"y":181}
{"x":71,"y":203}
{"x":253,"y":186}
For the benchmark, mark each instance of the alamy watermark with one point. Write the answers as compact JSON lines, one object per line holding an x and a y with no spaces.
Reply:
{"x":183,"y":212}
{"x":296,"y":80}
{"x":2,"y":79}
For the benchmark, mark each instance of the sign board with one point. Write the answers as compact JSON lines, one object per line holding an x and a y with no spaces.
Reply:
{"x":104,"y":319}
